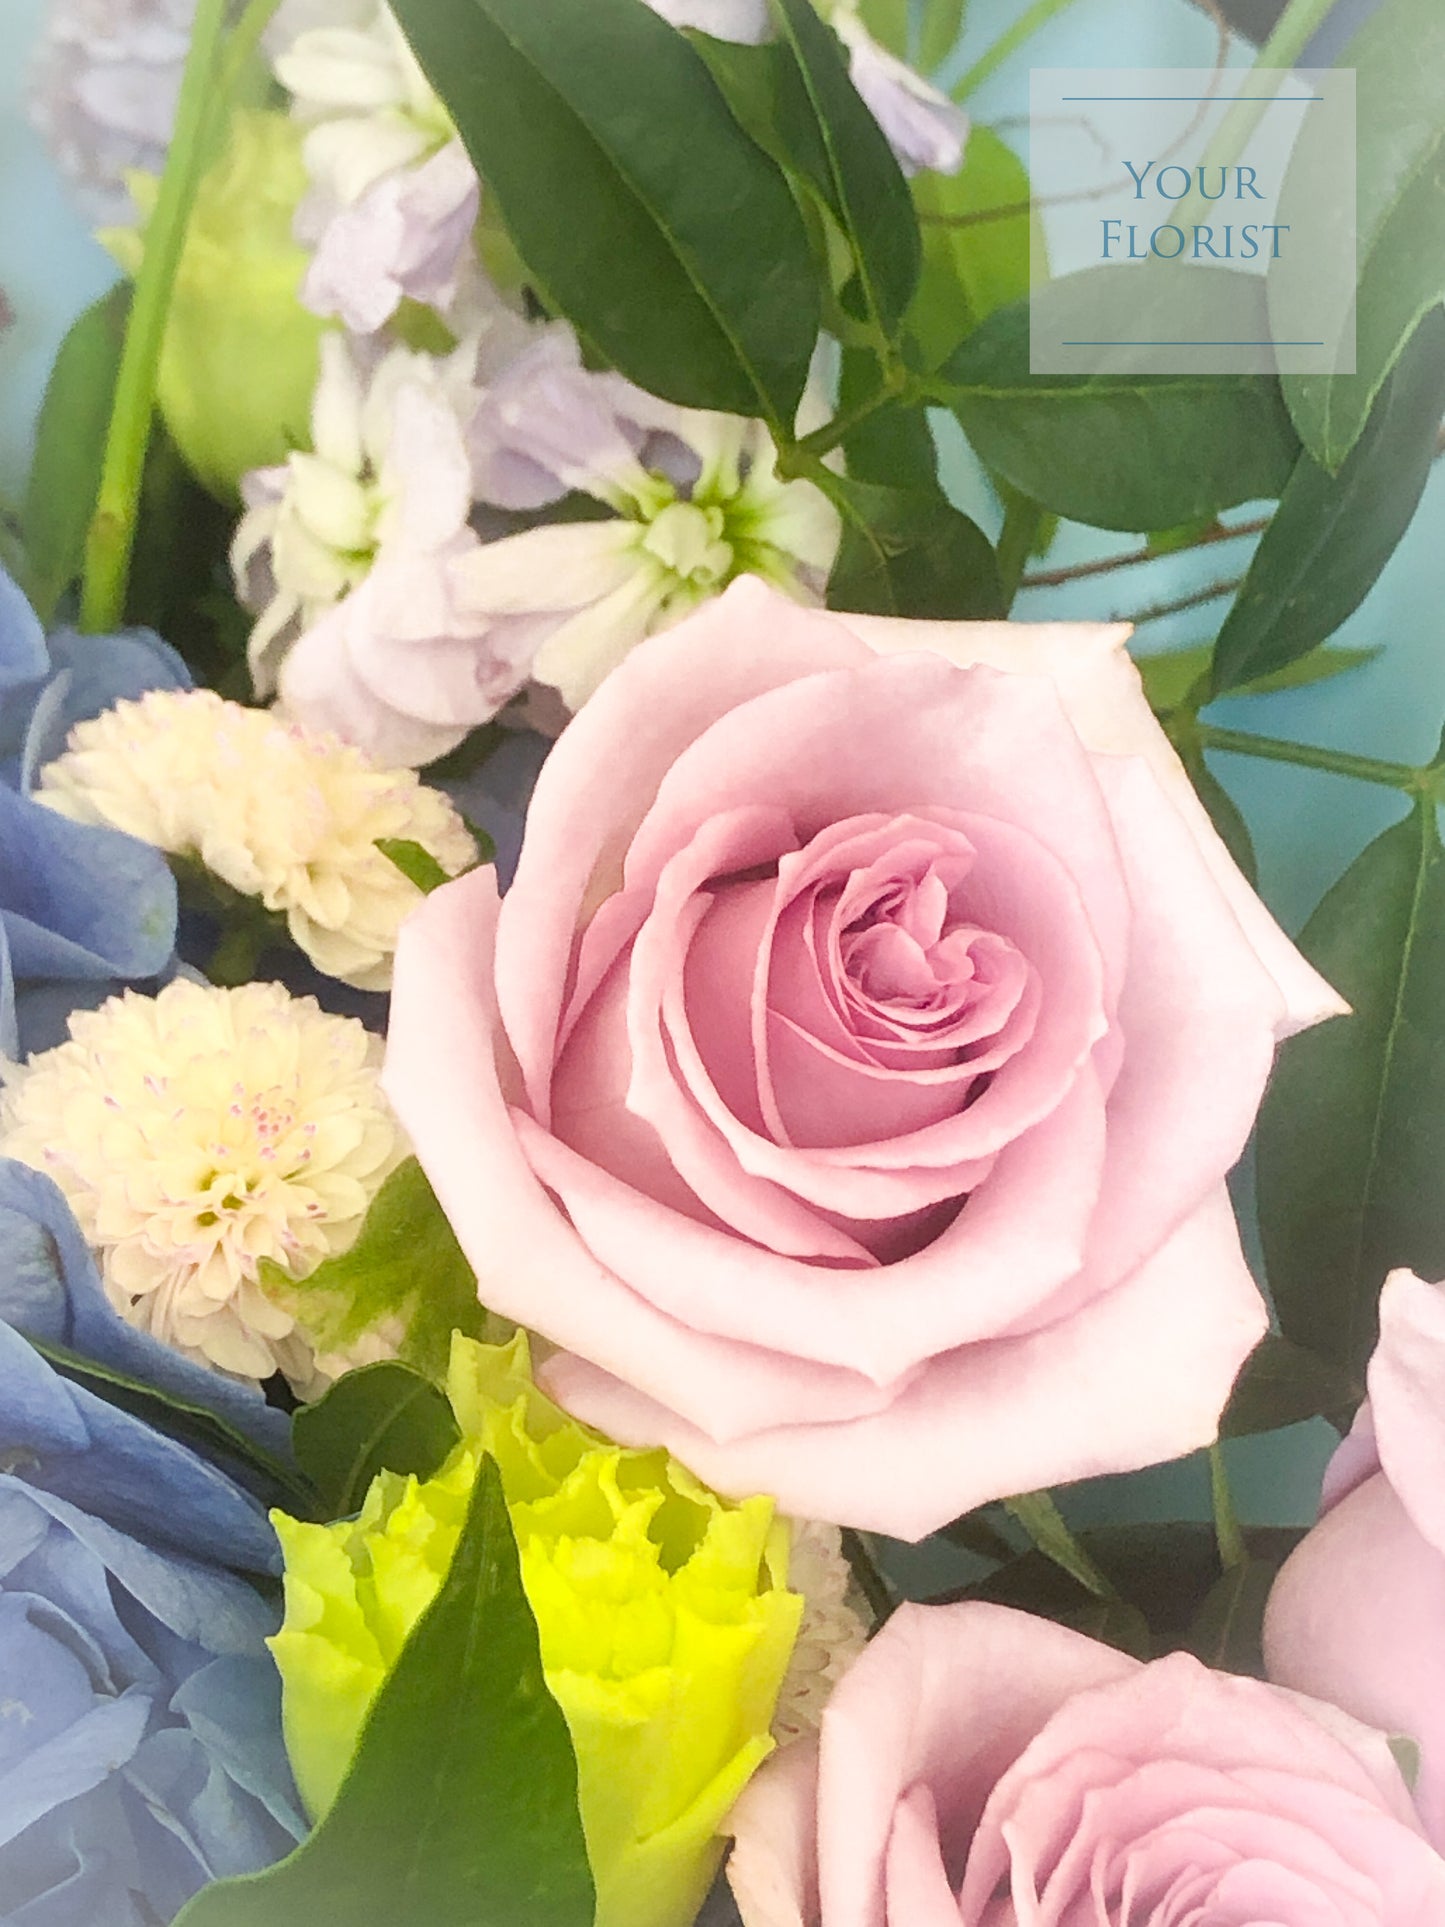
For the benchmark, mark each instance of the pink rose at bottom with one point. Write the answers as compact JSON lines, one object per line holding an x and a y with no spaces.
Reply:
{"x":1358,"y":1612}
{"x":982,"y":1768}
{"x":847,"y":1083}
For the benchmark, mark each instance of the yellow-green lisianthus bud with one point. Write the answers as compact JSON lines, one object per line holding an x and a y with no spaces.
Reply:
{"x":241,"y":354}
{"x":663,"y":1612}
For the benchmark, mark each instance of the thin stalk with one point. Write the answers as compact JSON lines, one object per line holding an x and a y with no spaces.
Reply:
{"x":824,"y":440}
{"x":244,"y":40}
{"x":1293,"y":33}
{"x":1082,"y":571}
{"x":1227,"y":1531}
{"x":1335,"y":762}
{"x":111,"y":539}
{"x":1211,"y":592}
{"x":1031,"y":21}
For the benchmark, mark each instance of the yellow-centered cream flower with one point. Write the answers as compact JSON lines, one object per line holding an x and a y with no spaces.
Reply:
{"x":198,"y":1134}
{"x":276,"y":812}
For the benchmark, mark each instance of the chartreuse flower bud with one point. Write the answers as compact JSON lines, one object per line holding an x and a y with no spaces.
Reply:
{"x":241,"y":354}
{"x":663,"y":1612}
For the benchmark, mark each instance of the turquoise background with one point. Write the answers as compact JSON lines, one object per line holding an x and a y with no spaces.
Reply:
{"x":1307,"y":826}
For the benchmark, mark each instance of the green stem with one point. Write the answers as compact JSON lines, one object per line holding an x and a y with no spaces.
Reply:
{"x":111,"y":540}
{"x":1227,"y":1532}
{"x":1041,"y":1519}
{"x":1337,"y":762}
{"x":1031,"y":21}
{"x":1294,"y":30}
{"x":832,"y":434}
{"x":1015,"y":544}
{"x":241,"y":48}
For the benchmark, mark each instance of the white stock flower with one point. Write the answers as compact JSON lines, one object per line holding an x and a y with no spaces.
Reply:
{"x":387,"y":477}
{"x":394,"y":197}
{"x":832,"y":1634}
{"x":104,"y":90}
{"x":290,"y":818}
{"x":697,"y":501}
{"x":198,"y":1134}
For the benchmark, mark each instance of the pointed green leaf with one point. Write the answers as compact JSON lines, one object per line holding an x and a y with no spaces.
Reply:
{"x":69,"y":447}
{"x":1352,"y":1133}
{"x":646,"y":216}
{"x":416,"y":864}
{"x":460,"y":1808}
{"x":1398,"y":58}
{"x":1333,"y":534}
{"x":909,"y":552}
{"x":384,"y":1417}
{"x":1282,"y":1384}
{"x":1115,"y":450}
{"x":1171,"y":677}
{"x":860,"y":179}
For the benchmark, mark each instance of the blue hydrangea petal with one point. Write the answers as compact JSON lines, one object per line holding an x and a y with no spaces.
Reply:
{"x":136,"y":1479}
{"x":50,"y":1289}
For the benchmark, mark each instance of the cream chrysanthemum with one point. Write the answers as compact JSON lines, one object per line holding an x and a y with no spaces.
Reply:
{"x":832,"y":1633}
{"x":273,"y":810}
{"x":198,"y":1134}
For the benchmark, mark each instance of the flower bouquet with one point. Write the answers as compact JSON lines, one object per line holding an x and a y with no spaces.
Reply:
{"x":642,"y":1063}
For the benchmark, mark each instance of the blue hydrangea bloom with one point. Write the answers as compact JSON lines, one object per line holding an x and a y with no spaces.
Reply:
{"x":80,"y":908}
{"x":50,"y":1290}
{"x":140,"y":1729}
{"x":140,"y":1721}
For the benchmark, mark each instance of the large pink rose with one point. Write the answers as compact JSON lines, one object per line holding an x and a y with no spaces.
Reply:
{"x":1358,"y":1613}
{"x":981,"y":1768}
{"x":848,"y":1081}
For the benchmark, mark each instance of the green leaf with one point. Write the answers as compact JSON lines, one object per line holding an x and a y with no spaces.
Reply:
{"x":460,"y":1808}
{"x":1171,"y":677}
{"x":909,"y":552}
{"x":69,"y":448}
{"x":670,"y":240}
{"x":971,"y":268}
{"x":942,"y":25}
{"x":1282,"y":1384}
{"x":1399,"y":58}
{"x":895,"y":446}
{"x":1041,"y":1519}
{"x":181,"y":1419}
{"x":406,"y":1267}
{"x":384,"y":1417}
{"x":1352,"y":1133}
{"x":1227,"y":1629}
{"x":1116,"y":450}
{"x":860,"y":180}
{"x":1333,"y":534}
{"x":1224,"y":812}
{"x":416,"y":864}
